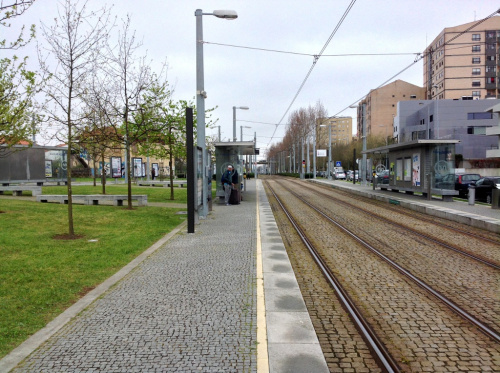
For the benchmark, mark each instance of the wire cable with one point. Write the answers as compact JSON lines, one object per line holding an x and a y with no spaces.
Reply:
{"x":316,"y":58}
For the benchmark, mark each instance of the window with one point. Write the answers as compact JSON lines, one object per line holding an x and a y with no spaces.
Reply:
{"x":476,"y":71}
{"x":490,"y":34}
{"x":476,"y":37}
{"x":413,"y":96}
{"x":491,"y":69}
{"x":490,"y":58}
{"x":476,"y":60}
{"x":490,"y":46}
{"x":476,"y":130}
{"x":476,"y":94}
{"x":480,"y":115}
{"x":476,"y":48}
{"x":490,"y":80}
{"x":476,"y":83}
{"x":431,"y":118}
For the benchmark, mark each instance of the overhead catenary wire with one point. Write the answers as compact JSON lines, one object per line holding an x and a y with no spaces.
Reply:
{"x":316,"y":58}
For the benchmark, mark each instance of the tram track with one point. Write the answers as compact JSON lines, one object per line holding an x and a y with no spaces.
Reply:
{"x":446,"y":245}
{"x":381,"y":353}
{"x":491,"y":333}
{"x":439,"y":295}
{"x":435,"y":221}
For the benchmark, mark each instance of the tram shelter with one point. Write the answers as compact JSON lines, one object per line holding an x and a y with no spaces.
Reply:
{"x":424,"y":166}
{"x":231,"y":153}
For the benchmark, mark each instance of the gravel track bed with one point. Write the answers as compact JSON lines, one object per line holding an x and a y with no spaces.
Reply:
{"x":422,"y":334}
{"x":470,"y":284}
{"x":413,"y":219}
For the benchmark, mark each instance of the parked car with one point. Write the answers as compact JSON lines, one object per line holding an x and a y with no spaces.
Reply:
{"x":353,"y":174}
{"x":462,"y":182}
{"x":383,"y":177}
{"x":485,"y":186}
{"x":339,"y":175}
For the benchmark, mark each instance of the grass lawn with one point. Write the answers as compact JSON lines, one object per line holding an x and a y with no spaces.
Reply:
{"x":40,"y":276}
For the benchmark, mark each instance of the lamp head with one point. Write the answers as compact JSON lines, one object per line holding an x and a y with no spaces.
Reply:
{"x":226,"y":14}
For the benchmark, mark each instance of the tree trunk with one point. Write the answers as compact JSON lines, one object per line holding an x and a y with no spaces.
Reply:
{"x":103,"y":174}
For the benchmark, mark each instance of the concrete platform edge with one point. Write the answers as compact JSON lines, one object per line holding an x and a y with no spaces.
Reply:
{"x":291,"y":338}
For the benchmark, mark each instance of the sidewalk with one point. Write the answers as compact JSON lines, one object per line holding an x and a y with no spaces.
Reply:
{"x":224,"y":299}
{"x":478,"y":215}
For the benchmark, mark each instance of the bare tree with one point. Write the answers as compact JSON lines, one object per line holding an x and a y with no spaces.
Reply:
{"x":131,"y":79}
{"x":74,"y":42}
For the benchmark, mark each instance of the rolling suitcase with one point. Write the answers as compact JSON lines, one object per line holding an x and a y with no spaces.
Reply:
{"x":235,"y":197}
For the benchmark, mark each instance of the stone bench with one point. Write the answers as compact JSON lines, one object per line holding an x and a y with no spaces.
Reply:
{"x":166,"y":184}
{"x":94,"y":199}
{"x":17,"y":190}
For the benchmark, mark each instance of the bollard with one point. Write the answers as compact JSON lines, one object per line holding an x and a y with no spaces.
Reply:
{"x":495,"y":199}
{"x":472,"y":195}
{"x":375,"y":182}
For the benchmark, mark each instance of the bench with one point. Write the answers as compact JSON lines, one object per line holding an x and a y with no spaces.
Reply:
{"x":93,"y":199}
{"x":17,"y":190}
{"x":165,"y":184}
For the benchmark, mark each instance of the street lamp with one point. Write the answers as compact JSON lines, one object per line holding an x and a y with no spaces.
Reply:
{"x":363,"y":136}
{"x":241,"y":131}
{"x":201,"y":95}
{"x":234,"y":119}
{"x":329,"y":147}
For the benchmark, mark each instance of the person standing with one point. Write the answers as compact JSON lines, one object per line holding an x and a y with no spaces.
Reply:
{"x":229,"y":180}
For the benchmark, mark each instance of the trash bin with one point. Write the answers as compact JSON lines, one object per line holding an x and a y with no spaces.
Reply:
{"x":472,"y":195}
{"x":495,"y":199}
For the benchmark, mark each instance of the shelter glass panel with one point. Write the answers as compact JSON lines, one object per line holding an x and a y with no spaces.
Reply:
{"x":443,"y":166}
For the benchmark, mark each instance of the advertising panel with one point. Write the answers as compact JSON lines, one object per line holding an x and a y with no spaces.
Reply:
{"x":137,"y":167}
{"x":416,"y":169}
{"x":48,"y":168}
{"x":116,"y":167}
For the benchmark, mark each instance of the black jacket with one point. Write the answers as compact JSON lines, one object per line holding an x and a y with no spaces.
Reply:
{"x":229,"y":177}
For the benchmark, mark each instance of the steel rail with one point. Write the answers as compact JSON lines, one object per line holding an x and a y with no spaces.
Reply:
{"x":432,"y":239}
{"x":382,"y":354}
{"x":461,"y":312}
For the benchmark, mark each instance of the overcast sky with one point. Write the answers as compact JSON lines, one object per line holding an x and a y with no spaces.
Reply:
{"x":267,"y":82}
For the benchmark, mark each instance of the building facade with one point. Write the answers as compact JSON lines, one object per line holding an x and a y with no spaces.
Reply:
{"x":463,"y":120}
{"x":341,"y":128}
{"x":380,"y":107}
{"x":462,"y":63}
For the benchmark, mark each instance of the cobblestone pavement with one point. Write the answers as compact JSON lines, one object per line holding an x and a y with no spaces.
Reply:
{"x":189,"y":307}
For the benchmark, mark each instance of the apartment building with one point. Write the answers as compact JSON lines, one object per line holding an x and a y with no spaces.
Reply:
{"x":341,"y":128}
{"x":462,"y":62}
{"x":381,"y":107}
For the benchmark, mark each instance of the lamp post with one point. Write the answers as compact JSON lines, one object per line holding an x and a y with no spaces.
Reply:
{"x":329,"y":148}
{"x":201,"y":95}
{"x":241,"y":131}
{"x":234,"y":119}
{"x":363,"y":136}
